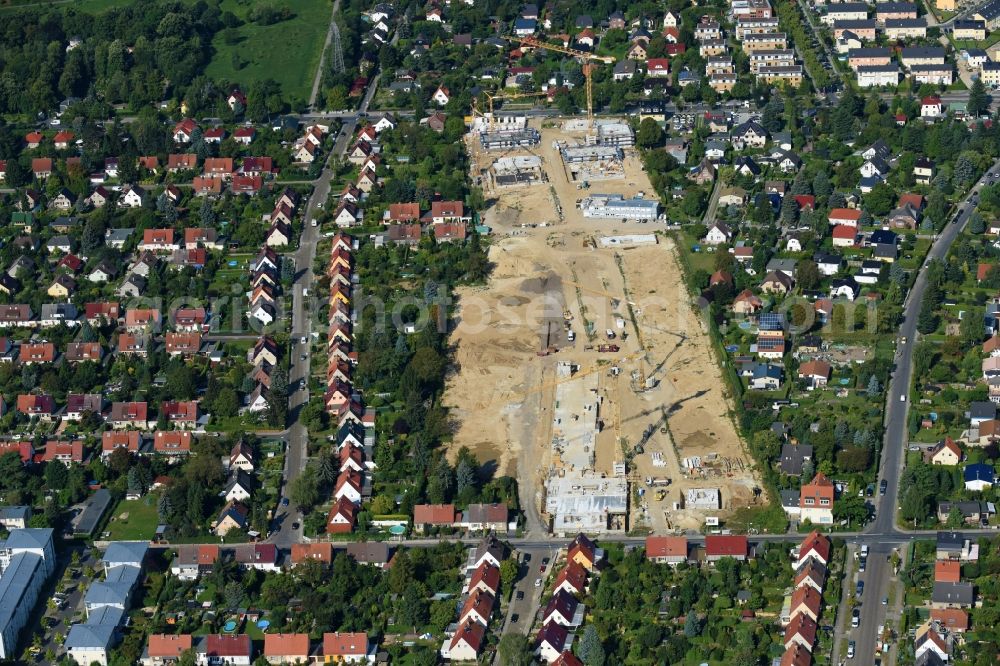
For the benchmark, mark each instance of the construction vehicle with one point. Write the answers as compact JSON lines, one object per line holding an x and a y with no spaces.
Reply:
{"x":608,"y":348}
{"x":661,"y":495}
{"x":589,"y":60}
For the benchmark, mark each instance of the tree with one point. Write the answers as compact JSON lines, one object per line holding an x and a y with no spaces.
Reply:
{"x":789,"y":209}
{"x":850,"y":508}
{"x":808,"y":469}
{"x":808,"y":274}
{"x":93,"y":234}
{"x":821,"y":185}
{"x":327,"y":470}
{"x":897,"y":274}
{"x":971,"y":327}
{"x":514,"y":650}
{"x":234,"y":595}
{"x":874,"y":389}
{"x":508,"y":573}
{"x":927,"y":319}
{"x":979,"y":101}
{"x":771,"y":119}
{"x":591,"y":651}
{"x":691,"y":626}
{"x":965,"y":171}
{"x":134,"y":482}
{"x":977,"y":224}
{"x":650,"y":134}
{"x":164,"y":508}
{"x":465,"y":476}
{"x":304,"y":490}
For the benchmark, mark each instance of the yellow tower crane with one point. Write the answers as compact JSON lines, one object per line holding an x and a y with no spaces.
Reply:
{"x":588,"y":63}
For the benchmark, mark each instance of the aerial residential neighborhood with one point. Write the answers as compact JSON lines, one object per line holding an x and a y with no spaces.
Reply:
{"x":523,"y":333}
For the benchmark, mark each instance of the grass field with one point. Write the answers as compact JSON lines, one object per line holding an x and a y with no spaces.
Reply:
{"x":287,"y":52}
{"x":140,"y":524}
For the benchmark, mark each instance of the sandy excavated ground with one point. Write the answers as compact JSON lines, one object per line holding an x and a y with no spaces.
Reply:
{"x":501,"y":392}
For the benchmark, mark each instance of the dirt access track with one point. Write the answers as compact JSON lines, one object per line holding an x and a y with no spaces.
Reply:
{"x":550,"y":268}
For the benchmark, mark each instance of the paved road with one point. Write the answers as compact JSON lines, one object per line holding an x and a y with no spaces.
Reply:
{"x":883,"y":529}
{"x":526,"y":607}
{"x":302,"y":326}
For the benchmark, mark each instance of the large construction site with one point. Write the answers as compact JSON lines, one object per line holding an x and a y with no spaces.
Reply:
{"x":582,"y":369}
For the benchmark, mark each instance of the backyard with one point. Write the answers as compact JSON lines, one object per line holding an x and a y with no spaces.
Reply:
{"x":134,"y":520}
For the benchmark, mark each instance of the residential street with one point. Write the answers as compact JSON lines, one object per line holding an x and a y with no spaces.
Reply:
{"x":897,"y":438}
{"x":302,"y":326}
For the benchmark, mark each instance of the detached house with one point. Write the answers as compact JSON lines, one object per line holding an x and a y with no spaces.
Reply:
{"x":816,"y":500}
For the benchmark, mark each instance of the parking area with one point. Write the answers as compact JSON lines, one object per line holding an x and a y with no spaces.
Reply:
{"x":525,"y":602}
{"x":63,"y":606}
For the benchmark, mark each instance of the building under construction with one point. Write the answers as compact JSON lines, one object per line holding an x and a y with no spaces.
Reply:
{"x":516,"y":170}
{"x":507,"y":139}
{"x":577,"y":154}
{"x":616,"y":134}
{"x":593,"y":162}
{"x":578,"y":498}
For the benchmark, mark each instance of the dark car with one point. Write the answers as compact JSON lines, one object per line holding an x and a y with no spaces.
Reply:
{"x":295,"y":526}
{"x":882,"y":487}
{"x":519,"y":595}
{"x":860,"y":589}
{"x":527,"y":557}
{"x":515,"y":617}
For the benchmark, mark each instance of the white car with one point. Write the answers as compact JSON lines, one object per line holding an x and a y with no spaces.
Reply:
{"x":538,"y":582}
{"x":850,"y":650}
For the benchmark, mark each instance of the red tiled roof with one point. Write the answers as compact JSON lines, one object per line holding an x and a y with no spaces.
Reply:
{"x":126,"y":439}
{"x":666,"y":546}
{"x":434,"y":514}
{"x":227,"y":646}
{"x":168,"y":645}
{"x":845,"y":232}
{"x":845,"y":214}
{"x":726,"y":545}
{"x":954,"y":619}
{"x":816,"y":542}
{"x":947,"y":571}
{"x":345,"y":645}
{"x":321,"y":551}
{"x":291,"y":646}
{"x":804,"y":626}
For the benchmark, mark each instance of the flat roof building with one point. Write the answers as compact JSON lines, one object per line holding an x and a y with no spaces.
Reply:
{"x":27,"y":559}
{"x":615,"y":206}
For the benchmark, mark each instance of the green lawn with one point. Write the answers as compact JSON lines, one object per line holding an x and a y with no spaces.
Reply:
{"x":287,"y":52}
{"x":140,"y":524}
